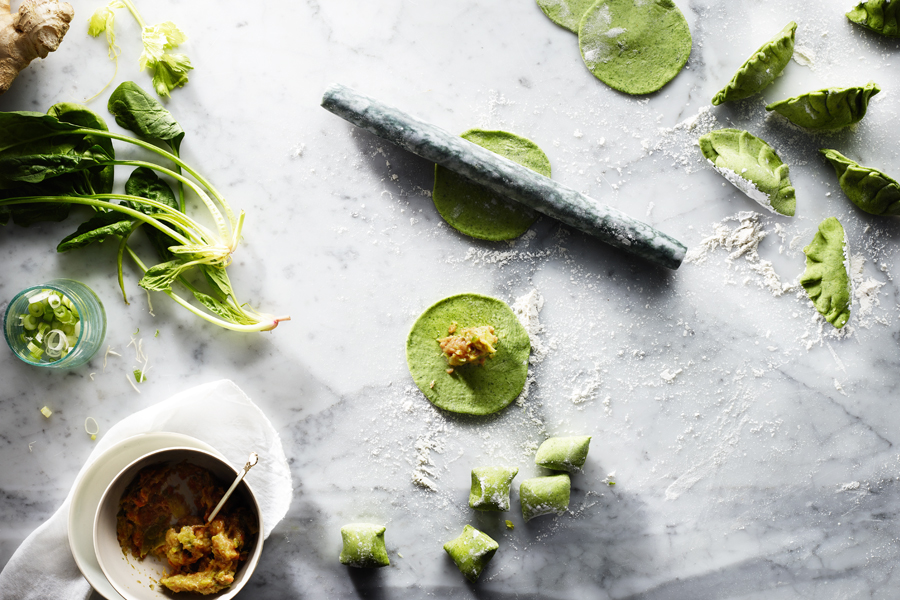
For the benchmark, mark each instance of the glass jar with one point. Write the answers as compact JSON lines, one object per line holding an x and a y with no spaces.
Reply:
{"x":91,"y":321}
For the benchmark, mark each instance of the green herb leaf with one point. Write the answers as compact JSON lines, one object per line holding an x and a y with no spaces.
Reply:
{"x":159,"y":278}
{"x":138,"y":111}
{"x":101,"y":178}
{"x":139,"y":376}
{"x":223,"y":310}
{"x":97,"y":229}
{"x":170,"y":72}
{"x":218,"y":280}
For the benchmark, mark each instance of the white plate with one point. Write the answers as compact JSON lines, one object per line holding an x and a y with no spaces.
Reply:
{"x":89,"y":490}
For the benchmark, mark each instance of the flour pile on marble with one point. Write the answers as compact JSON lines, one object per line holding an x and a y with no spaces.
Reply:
{"x":742,"y":241}
{"x":527,"y":309}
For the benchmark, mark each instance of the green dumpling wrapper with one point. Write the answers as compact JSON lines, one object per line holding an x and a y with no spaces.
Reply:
{"x":478,"y":211}
{"x":831,"y":108}
{"x":471,"y":389}
{"x":880,"y":16}
{"x":869,"y":189}
{"x":563,"y":453}
{"x":490,"y":488}
{"x":566,"y":13}
{"x":761,"y":69}
{"x":364,"y":545}
{"x":635,"y":47}
{"x":545,"y":495}
{"x":752,"y":166}
{"x":471,"y":552}
{"x":827,"y":275}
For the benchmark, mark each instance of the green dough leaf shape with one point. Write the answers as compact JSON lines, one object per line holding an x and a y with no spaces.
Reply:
{"x":364,"y":546}
{"x":868,"y":188}
{"x":752,"y":166}
{"x":470,"y":389}
{"x":563,"y":453}
{"x":545,"y":495}
{"x":831,"y":108}
{"x":478,"y":211}
{"x":827,"y":276}
{"x":566,"y":13}
{"x":490,"y":488}
{"x":761,"y":69}
{"x":635,"y":47}
{"x":471,"y":552}
{"x":880,"y":16}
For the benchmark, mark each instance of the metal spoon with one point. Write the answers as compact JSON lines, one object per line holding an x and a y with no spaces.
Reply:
{"x":254,"y":458}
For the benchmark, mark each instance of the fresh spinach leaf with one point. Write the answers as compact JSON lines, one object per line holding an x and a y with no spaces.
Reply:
{"x":23,"y":127}
{"x":223,"y":310}
{"x":101,"y":178}
{"x":159,"y":278}
{"x":35,"y":167}
{"x":139,"y":112}
{"x":97,"y":229}
{"x":218,"y":280}
{"x":145,"y":183}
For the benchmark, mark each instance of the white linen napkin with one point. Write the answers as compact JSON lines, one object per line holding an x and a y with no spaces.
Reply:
{"x":218,"y":413}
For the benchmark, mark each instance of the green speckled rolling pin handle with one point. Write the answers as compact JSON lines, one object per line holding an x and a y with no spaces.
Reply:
{"x":505,"y":177}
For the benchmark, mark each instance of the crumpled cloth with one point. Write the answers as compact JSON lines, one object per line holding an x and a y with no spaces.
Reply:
{"x":218,"y":413}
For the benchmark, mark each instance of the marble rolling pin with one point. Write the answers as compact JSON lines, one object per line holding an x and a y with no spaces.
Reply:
{"x":505,"y":177}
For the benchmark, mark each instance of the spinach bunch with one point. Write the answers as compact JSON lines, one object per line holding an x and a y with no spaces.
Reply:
{"x":48,"y":162}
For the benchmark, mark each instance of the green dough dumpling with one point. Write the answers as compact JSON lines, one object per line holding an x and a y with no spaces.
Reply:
{"x":831,"y":108}
{"x":490,"y":488}
{"x":475,"y":389}
{"x":752,"y":166}
{"x":634,"y":46}
{"x":566,"y":13}
{"x":545,"y":495}
{"x":827,"y":275}
{"x":880,"y":16}
{"x":563,"y":453}
{"x":868,"y":188}
{"x":761,"y":69}
{"x":476,"y":210}
{"x":471,"y":552}
{"x":364,"y":545}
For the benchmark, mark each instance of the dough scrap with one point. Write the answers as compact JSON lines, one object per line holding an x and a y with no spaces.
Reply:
{"x":634,"y":46}
{"x":364,"y":545}
{"x":827,"y":275}
{"x":471,"y":389}
{"x":471,"y":552}
{"x":490,"y":488}
{"x":761,"y":69}
{"x":563,"y":453}
{"x":478,"y":211}
{"x":545,"y":495}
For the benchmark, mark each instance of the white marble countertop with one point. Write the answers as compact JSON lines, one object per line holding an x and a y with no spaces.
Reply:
{"x":751,"y":446}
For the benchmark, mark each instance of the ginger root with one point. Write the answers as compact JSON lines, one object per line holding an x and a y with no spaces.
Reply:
{"x":34,"y":31}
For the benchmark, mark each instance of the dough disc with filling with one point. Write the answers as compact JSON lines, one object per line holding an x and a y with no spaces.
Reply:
{"x":470,"y":389}
{"x":478,"y":211}
{"x":634,"y":46}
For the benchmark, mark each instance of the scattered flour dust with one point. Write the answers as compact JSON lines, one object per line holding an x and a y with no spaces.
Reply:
{"x":680,"y":141}
{"x":527,"y":309}
{"x":425,"y":471}
{"x":742,"y":241}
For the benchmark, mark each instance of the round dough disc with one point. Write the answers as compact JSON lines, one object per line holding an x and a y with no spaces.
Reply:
{"x":634,"y":46}
{"x":471,"y":389}
{"x":477,"y":211}
{"x":565,"y":13}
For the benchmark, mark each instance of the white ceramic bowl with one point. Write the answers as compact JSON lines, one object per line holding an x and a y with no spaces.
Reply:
{"x":138,"y":579}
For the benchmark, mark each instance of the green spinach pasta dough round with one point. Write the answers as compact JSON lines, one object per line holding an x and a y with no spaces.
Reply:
{"x":566,"y":13}
{"x":474,"y":209}
{"x":634,"y":46}
{"x":472,"y":388}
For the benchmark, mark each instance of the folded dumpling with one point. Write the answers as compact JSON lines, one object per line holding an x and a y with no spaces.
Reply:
{"x":827,"y":275}
{"x":752,"y":166}
{"x":868,"y":188}
{"x":761,"y":69}
{"x":831,"y":108}
{"x":881,"y":16}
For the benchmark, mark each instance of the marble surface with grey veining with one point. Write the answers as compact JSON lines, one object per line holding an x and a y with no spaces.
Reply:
{"x":752,"y":448}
